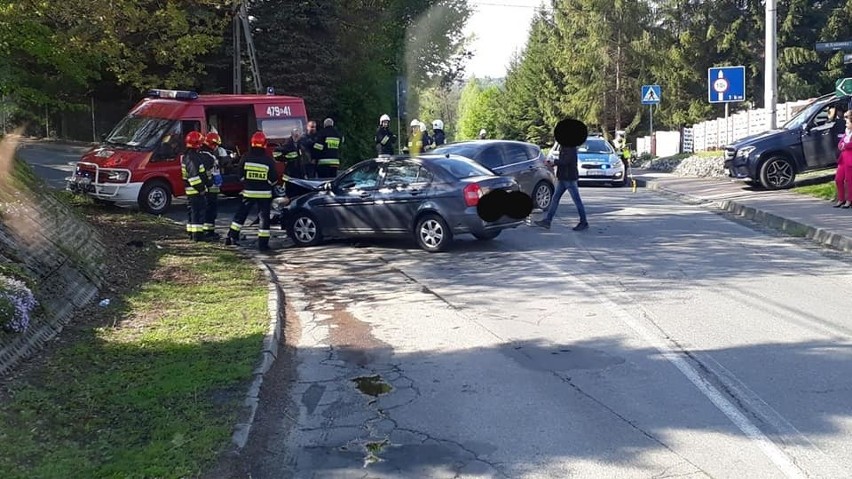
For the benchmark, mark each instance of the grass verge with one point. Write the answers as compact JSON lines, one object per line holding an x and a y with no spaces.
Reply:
{"x":150,"y":385}
{"x":825,"y":191}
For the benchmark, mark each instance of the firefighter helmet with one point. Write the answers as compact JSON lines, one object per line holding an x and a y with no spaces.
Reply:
{"x":212,"y":140}
{"x":422,"y":126}
{"x":438,"y":125}
{"x":384,"y":118}
{"x":258,"y":140}
{"x":194,"y":139}
{"x":415,"y":122}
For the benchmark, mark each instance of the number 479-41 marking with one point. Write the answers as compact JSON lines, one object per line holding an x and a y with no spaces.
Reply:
{"x":278,"y":111}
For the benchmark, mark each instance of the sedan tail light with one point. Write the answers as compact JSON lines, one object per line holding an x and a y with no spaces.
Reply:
{"x":472,"y":193}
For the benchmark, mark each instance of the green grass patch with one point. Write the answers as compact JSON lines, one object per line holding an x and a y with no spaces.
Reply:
{"x":825,"y":191}
{"x":710,"y":153}
{"x":148,"y":386}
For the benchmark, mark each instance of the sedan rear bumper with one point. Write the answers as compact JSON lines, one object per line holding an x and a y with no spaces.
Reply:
{"x":470,"y":222}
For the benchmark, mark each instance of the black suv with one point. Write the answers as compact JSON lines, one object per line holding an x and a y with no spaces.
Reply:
{"x":807,"y":142}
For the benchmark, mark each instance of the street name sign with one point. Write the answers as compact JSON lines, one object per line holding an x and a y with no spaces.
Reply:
{"x":834,"y":46}
{"x":650,"y":94}
{"x":726,"y":84}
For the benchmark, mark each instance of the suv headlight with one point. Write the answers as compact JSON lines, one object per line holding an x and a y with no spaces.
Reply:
{"x":744,"y":152}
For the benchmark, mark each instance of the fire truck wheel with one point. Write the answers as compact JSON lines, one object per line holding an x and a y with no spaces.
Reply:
{"x":155,"y":197}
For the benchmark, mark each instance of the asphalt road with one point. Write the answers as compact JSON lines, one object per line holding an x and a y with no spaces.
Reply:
{"x":665,"y":341}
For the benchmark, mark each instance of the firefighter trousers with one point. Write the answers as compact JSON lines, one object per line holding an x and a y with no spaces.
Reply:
{"x":211,"y":211}
{"x":264,"y":207}
{"x":326,"y":171}
{"x":196,"y":205}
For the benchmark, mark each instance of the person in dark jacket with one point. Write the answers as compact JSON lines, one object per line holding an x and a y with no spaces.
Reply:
{"x":328,"y":145}
{"x":294,"y":155}
{"x":385,"y":139}
{"x":259,"y":179}
{"x":196,"y":182}
{"x":307,"y":142}
{"x":567,"y":176}
{"x":210,"y":153}
{"x":438,"y":133}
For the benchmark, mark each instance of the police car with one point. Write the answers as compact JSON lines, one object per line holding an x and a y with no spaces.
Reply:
{"x":597,"y":161}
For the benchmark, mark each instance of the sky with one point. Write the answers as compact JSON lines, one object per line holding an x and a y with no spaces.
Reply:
{"x":501,"y":27}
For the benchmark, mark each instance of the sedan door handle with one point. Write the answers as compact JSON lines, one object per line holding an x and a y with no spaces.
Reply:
{"x":366,"y":194}
{"x":414,"y":192}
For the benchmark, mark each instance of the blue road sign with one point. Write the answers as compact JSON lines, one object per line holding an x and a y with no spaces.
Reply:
{"x":650,"y":94}
{"x":726,"y":84}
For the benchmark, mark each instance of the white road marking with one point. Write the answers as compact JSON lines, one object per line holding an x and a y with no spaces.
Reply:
{"x":772,"y":451}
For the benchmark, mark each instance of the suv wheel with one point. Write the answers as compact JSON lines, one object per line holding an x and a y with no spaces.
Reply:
{"x":777,"y":173}
{"x":432,"y":233}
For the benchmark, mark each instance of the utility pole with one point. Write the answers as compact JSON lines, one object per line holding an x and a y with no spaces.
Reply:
{"x":770,"y":93}
{"x":241,"y":17}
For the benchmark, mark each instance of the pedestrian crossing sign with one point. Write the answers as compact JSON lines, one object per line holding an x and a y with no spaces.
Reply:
{"x":650,"y":94}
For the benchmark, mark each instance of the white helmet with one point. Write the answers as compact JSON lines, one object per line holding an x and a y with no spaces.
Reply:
{"x":438,"y":125}
{"x":384,"y":118}
{"x":415,"y":122}
{"x":422,"y":126}
{"x":482,"y":132}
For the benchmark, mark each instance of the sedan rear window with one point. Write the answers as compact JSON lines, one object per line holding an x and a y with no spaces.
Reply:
{"x":467,"y":151}
{"x":461,"y":168}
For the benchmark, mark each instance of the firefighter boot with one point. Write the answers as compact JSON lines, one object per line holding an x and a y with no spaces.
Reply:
{"x":233,"y":238}
{"x":263,"y":243}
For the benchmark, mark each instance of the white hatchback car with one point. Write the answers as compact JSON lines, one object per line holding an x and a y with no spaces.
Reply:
{"x":597,"y":161}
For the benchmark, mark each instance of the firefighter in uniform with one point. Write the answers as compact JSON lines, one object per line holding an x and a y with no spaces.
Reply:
{"x":427,"y":140}
{"x":294,"y":156}
{"x":307,"y":143}
{"x":210,"y":157}
{"x":385,"y":139}
{"x":328,"y":145}
{"x":438,"y":131}
{"x":415,"y":139}
{"x":196,"y":181}
{"x":258,"y":178}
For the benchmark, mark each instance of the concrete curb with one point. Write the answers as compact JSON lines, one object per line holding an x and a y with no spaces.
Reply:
{"x":268,"y":355}
{"x":791,"y":227}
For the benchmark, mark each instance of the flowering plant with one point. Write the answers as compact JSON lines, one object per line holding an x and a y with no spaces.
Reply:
{"x":16,"y":304}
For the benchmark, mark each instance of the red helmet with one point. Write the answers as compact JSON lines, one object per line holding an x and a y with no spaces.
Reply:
{"x":258,"y":140}
{"x":194,"y":139}
{"x":213,"y":140}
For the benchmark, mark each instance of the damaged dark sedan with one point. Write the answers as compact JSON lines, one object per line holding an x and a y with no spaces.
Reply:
{"x":430,"y":198}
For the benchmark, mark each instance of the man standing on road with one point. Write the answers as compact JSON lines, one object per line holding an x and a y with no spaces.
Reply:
{"x":196,"y":181}
{"x":307,"y":142}
{"x":259,"y":178}
{"x":209,"y":155}
{"x":567,"y":175}
{"x":328,"y":145}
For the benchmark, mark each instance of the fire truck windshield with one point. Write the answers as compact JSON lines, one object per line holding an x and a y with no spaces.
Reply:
{"x":140,"y":132}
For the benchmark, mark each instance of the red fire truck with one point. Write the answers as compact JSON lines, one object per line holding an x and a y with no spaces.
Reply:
{"x":138,"y":162}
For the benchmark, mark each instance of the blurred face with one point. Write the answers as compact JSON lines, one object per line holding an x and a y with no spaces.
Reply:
{"x":296,"y":135}
{"x":385,"y":123}
{"x":848,"y":117}
{"x":312,"y":127}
